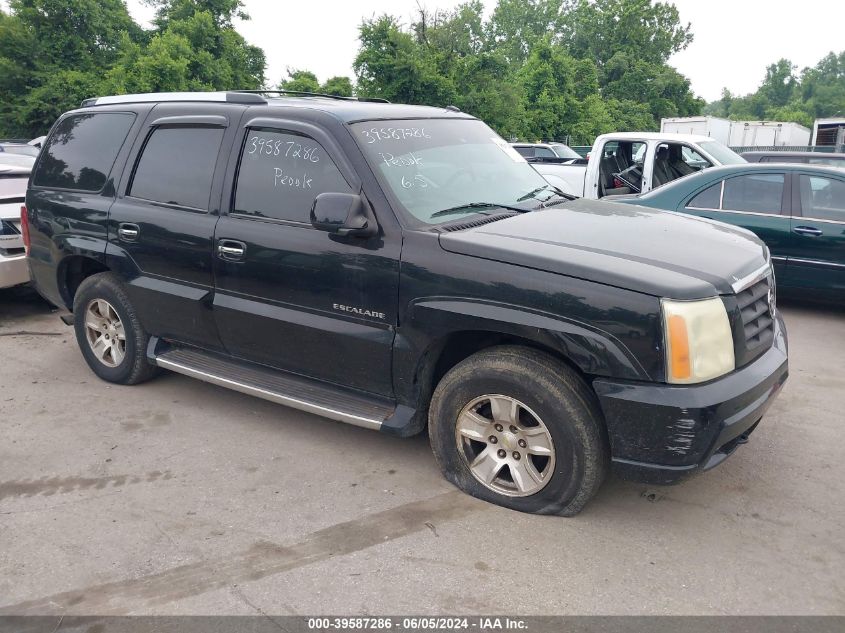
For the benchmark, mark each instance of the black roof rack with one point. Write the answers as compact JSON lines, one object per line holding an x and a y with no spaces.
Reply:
{"x":302,"y":93}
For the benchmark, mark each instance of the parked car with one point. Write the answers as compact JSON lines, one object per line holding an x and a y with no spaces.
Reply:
{"x":636,"y":162}
{"x":17,"y":160}
{"x":13,"y":267}
{"x":798,"y":210}
{"x":19,"y":148}
{"x":549,"y":153}
{"x":808,"y":158}
{"x":401,"y":267}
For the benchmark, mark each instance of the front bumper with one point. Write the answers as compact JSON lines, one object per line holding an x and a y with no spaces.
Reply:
{"x":661,"y":433}
{"x":13,"y":270}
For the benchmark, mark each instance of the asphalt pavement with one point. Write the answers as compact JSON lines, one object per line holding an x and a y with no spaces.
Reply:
{"x":179,"y":497}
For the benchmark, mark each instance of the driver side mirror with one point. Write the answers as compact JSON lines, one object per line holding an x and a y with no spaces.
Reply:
{"x":342,"y":214}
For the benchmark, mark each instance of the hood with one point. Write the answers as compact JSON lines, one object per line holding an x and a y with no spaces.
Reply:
{"x":656,"y":252}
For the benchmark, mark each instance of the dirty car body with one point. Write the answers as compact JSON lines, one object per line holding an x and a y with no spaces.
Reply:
{"x":448,"y":244}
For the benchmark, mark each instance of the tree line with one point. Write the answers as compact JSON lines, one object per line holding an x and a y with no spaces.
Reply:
{"x":534,"y":69}
{"x":788,"y":95}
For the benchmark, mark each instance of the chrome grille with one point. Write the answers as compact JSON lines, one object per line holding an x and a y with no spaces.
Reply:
{"x":756,"y":304}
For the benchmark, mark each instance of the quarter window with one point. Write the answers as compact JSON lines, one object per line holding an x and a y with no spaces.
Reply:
{"x":757,"y":193}
{"x":822,"y":198}
{"x":707,"y":199}
{"x":81,"y":151}
{"x":177,"y":166}
{"x":280,"y":175}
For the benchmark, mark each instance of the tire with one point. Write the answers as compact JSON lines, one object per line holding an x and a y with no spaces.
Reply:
{"x":101,"y":301}
{"x":567,"y":449}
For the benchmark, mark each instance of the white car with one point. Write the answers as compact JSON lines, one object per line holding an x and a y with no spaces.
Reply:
{"x":636,"y":162}
{"x":13,"y":180}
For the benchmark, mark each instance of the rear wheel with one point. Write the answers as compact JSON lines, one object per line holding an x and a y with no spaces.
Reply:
{"x":108,"y":332}
{"x":513,"y":426}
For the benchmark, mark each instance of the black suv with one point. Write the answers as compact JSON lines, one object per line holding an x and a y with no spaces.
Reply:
{"x":401,"y":267}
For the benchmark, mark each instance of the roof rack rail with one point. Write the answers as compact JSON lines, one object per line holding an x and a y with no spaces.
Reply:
{"x":233,"y":96}
{"x":301,"y":93}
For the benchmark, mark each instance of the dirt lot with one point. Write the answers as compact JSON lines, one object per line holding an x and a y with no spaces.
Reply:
{"x":180,"y":497}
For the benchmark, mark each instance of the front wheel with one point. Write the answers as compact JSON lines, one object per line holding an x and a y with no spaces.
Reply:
{"x":109,"y":333}
{"x":515,"y":427}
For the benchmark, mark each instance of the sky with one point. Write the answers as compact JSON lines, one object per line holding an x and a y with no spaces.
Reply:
{"x":734,"y":39}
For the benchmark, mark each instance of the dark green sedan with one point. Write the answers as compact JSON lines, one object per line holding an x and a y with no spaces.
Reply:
{"x":797,"y":210}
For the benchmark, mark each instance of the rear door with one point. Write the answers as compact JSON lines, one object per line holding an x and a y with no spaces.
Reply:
{"x":290,"y":296}
{"x":161,"y":225}
{"x":817,"y":242}
{"x":759,"y":202}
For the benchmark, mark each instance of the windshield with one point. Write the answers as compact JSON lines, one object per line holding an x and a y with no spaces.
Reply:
{"x":431,"y":165}
{"x":721,"y":153}
{"x":564,"y":151}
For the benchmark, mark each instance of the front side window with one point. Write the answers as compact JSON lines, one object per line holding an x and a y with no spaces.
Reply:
{"x":281,"y":173}
{"x":757,"y":193}
{"x":822,"y":198}
{"x":432,"y":165}
{"x":177,"y":166}
{"x":544,"y":152}
{"x":81,"y":151}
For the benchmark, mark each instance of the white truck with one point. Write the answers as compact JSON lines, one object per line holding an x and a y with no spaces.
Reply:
{"x":636,"y":162}
{"x":14,"y":174}
{"x":716,"y":128}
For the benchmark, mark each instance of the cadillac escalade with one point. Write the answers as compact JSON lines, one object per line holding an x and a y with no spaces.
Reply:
{"x":403,"y":268}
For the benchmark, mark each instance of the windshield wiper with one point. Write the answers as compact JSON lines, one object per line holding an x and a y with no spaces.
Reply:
{"x":533,"y":193}
{"x":476,"y":205}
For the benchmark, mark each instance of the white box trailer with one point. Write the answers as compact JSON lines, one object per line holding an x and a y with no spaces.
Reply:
{"x":714,"y":127}
{"x":768,"y":134}
{"x":827,"y":132}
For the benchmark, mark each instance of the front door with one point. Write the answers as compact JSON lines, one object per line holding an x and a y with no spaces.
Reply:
{"x":817,"y":242}
{"x":290,"y":296}
{"x":161,"y":225}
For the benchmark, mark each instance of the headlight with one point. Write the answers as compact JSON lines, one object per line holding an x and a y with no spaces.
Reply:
{"x":699,"y":343}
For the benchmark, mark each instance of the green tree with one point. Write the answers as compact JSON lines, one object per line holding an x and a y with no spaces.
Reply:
{"x":300,"y":81}
{"x":641,"y":29}
{"x":392,"y":65}
{"x":340,"y":86}
{"x":517,"y":25}
{"x":783,"y":95}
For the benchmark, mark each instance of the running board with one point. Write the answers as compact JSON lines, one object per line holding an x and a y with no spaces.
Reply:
{"x":288,"y":389}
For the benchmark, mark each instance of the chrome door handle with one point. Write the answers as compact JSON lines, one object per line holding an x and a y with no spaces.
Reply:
{"x":230,"y":250}
{"x":128,"y":232}
{"x":807,"y":230}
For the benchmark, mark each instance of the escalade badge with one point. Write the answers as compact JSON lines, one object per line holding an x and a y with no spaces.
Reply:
{"x":359,"y":311}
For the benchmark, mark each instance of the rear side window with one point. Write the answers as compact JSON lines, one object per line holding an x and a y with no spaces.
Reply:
{"x":177,"y":166}
{"x":81,"y":151}
{"x":759,"y":193}
{"x":707,"y":199}
{"x":281,"y":173}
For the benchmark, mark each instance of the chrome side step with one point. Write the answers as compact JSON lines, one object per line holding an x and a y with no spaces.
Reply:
{"x":293,"y":391}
